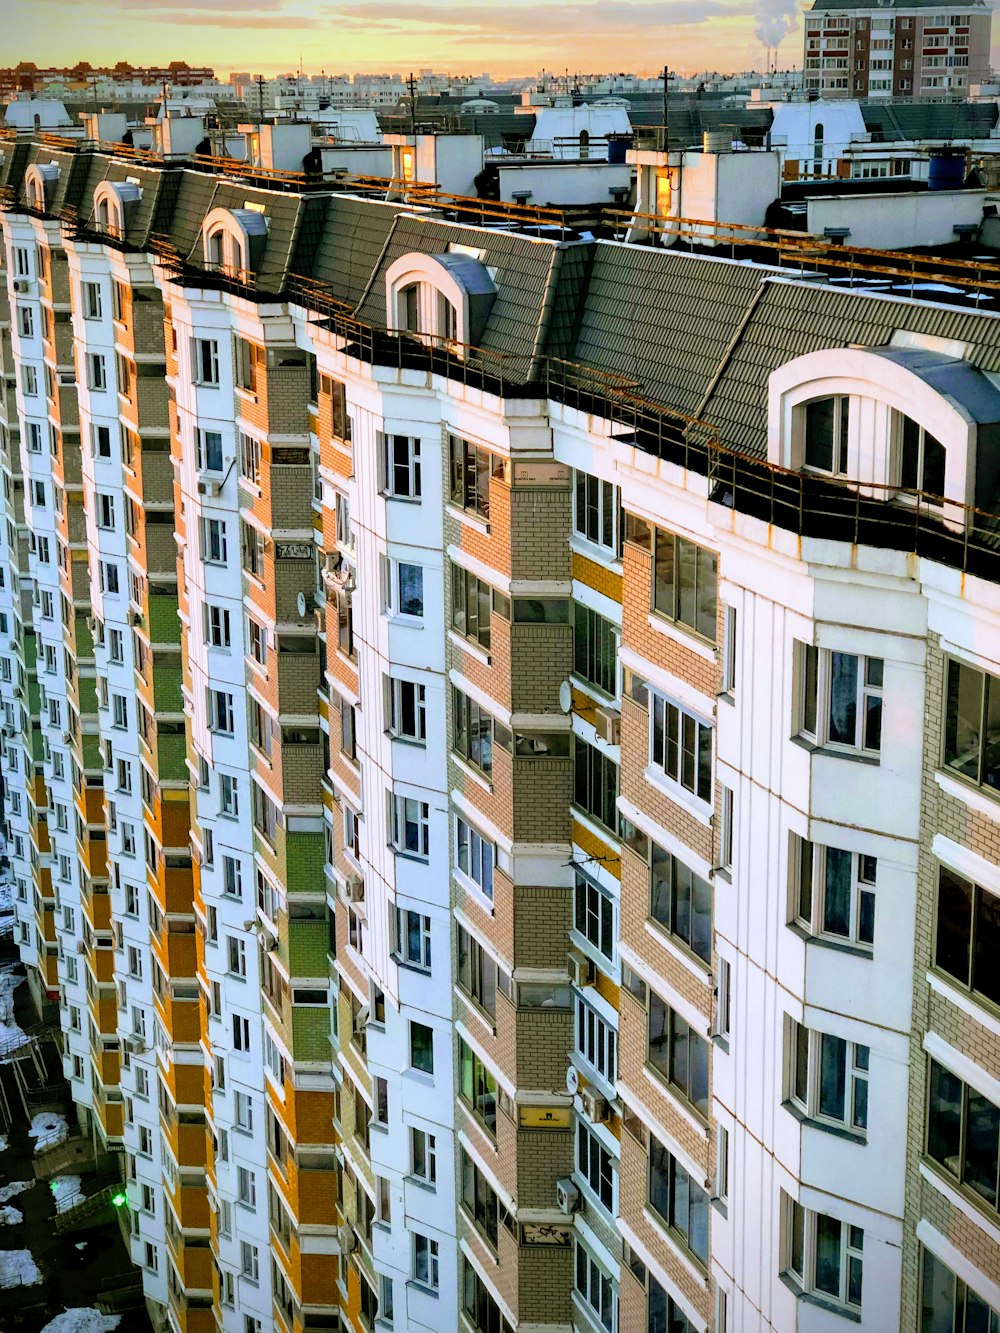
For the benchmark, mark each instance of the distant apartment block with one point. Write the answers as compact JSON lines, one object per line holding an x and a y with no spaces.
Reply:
{"x":896,"y":50}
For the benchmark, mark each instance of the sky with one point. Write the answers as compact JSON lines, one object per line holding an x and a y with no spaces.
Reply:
{"x":504,"y":37}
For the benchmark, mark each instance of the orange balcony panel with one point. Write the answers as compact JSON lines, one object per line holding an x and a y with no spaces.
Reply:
{"x":93,"y":805}
{"x":95,"y":857}
{"x":176,"y":953}
{"x":181,"y":1018}
{"x":187,"y":1084}
{"x":50,"y":970}
{"x":194,"y":1263}
{"x":39,"y":794}
{"x":191,"y":1205}
{"x":314,"y":1196}
{"x":45,"y":881}
{"x":102,"y":963}
{"x":308,"y":1116}
{"x":105,"y":1014}
{"x":100,"y":911}
{"x":109,"y":1066}
{"x":188,"y":1143}
{"x":112,"y":1116}
{"x":176,"y":887}
{"x":317,"y":1277}
{"x":175,"y":822}
{"x":195,"y":1319}
{"x":44,"y":842}
{"x":49,"y":927}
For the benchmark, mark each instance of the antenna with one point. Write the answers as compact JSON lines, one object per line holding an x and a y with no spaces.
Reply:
{"x":667,"y":76}
{"x":260,"y":96}
{"x":411,"y":83}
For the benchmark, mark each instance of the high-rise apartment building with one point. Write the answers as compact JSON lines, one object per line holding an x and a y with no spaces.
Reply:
{"x":499,"y":760}
{"x":899,"y":50}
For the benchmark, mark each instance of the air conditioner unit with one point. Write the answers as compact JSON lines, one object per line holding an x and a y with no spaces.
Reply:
{"x":319,"y":615}
{"x":22,"y":285}
{"x":210,"y":488}
{"x":608,"y":725}
{"x":133,"y":617}
{"x":81,"y":946}
{"x":595,"y":1108}
{"x":135,"y":1045}
{"x":268,"y":942}
{"x":567,"y":1196}
{"x":581,"y":969}
{"x":67,"y":378}
{"x":346,"y":1238}
{"x":9,"y":732}
{"x":354,"y":889}
{"x":332,"y":562}
{"x":67,"y":739}
{"x":364,"y":1013}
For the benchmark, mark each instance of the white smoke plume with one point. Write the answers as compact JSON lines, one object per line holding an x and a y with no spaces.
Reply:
{"x":775,"y":20}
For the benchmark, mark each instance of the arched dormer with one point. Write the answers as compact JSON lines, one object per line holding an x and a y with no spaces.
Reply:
{"x":447,"y":296}
{"x":233,"y":241}
{"x":39,"y":183}
{"x":114,"y":203}
{"x":905,"y":423}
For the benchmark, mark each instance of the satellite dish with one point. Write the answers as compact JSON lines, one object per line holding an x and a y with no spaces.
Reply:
{"x":300,"y":602}
{"x":572,"y":1080}
{"x":565,"y":696}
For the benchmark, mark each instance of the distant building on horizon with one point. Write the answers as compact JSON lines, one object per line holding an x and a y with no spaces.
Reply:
{"x":900,"y":49}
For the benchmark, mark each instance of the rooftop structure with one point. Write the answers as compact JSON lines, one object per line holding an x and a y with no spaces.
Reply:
{"x":497,"y":749}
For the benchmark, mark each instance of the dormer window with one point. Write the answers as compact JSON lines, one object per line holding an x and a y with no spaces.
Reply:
{"x":921,"y":458}
{"x":445,"y":297}
{"x":36,"y":194}
{"x":233,"y":241}
{"x":826,"y":425}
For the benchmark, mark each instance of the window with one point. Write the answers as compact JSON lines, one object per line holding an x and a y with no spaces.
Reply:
{"x":100,"y":441}
{"x":205,"y":362}
{"x":213,"y":541}
{"x":474,"y":856}
{"x":406,"y":710}
{"x":413,"y":936}
{"x":423,"y":1156}
{"x":249,"y":1262}
{"x":596,"y":1040}
{"x":840,"y":699}
{"x":596,"y":1289}
{"x":474,"y":732}
{"x":678,"y":1053}
{"x":480,"y":1200}
{"x":90,"y":294}
{"x":594,"y":916}
{"x":680,"y":745}
{"x":968,"y":934}
{"x":678,"y":1200}
{"x":477,"y":972}
{"x":25,"y":321}
{"x":834,"y":891}
{"x":949,"y":1305}
{"x":208,"y":446}
{"x":822,"y":1254}
{"x":729,"y":643}
{"x":410,"y":825}
{"x":97,"y":371}
{"x":470,"y":476}
{"x":246,"y":1187}
{"x":425,"y":1261}
{"x":595,"y":511}
{"x":826,"y":424}
{"x":972,"y":724}
{"x":478,"y":1086}
{"x":236,"y":954}
{"x":220,"y":712}
{"x":478,"y":1305}
{"x":596,"y":1166}
{"x":228,"y":796}
{"x":249,"y":458}
{"x":595,"y":787}
{"x":403,"y":588}
{"x":252,"y":549}
{"x":216,"y":626}
{"x":471,"y":602}
{"x":828,"y":1077}
{"x":244,"y":1112}
{"x":595,"y":649}
{"x":679,"y":900}
{"x":684,"y":583}
{"x":421,"y":1048}
{"x":921,"y":458}
{"x":105,"y":510}
{"x":963,"y":1134}
{"x":29,"y":381}
{"x":401,"y":467}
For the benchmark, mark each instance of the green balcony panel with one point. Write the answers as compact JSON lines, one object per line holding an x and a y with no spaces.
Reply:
{"x":164,"y":625}
{"x":307,"y":947}
{"x":305,"y":857}
{"x":312,"y":1030}
{"x":171,"y":757}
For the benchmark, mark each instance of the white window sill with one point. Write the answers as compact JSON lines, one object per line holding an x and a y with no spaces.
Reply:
{"x":468,"y":518}
{"x":686,"y":639}
{"x":469,"y":646}
{"x":695,"y":806}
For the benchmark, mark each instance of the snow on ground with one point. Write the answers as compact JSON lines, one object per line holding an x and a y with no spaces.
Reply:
{"x":18,"y":1269}
{"x":47,"y":1129}
{"x":3,"y":1144}
{"x":82,"y":1321}
{"x":66,"y":1190}
{"x":9,"y":981}
{"x":15,"y":1188}
{"x":9,"y":1216}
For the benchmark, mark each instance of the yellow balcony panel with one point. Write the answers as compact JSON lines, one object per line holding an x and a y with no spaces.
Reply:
{"x":100,"y":911}
{"x":102,"y":964}
{"x":112,"y":1117}
{"x":176,"y":952}
{"x":181,"y":1018}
